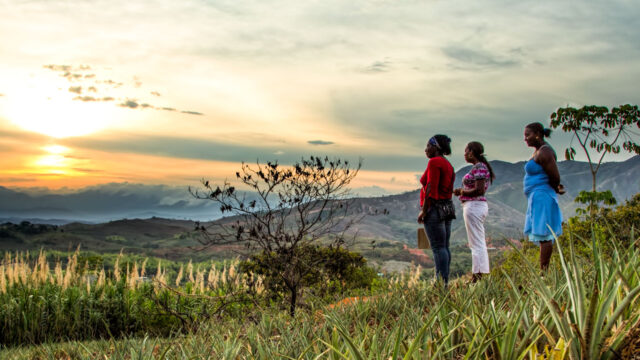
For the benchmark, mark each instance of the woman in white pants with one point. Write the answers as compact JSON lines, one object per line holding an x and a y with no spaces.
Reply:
{"x":474,"y":206}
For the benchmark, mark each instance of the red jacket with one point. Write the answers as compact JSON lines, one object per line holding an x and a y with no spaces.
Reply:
{"x":440,"y":174}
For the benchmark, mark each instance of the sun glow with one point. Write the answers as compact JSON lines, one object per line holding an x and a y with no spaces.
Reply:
{"x":54,"y":162}
{"x":56,"y":149}
{"x":49,"y":109}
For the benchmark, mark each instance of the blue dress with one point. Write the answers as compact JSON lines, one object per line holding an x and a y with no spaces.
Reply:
{"x":543,"y":211}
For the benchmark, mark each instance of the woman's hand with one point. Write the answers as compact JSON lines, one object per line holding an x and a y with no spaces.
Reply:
{"x":560,"y":189}
{"x":457,"y":192}
{"x":421,"y":217}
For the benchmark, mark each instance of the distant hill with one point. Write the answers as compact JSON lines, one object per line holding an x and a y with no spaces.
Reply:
{"x":507,"y":203}
{"x":104,"y":203}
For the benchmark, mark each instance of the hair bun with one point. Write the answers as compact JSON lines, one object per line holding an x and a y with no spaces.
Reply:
{"x":547,"y":132}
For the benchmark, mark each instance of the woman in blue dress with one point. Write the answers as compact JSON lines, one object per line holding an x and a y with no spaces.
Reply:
{"x":543,"y":221}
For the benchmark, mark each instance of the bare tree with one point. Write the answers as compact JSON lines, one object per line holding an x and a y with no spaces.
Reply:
{"x":286,"y":212}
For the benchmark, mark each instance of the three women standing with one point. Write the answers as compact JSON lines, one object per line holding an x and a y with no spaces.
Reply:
{"x":541,"y":185}
{"x":435,"y":202}
{"x":474,"y":206}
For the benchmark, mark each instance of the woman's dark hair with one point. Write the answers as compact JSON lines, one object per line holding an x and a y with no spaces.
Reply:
{"x":538,"y":128}
{"x":445,"y":144}
{"x":478,"y":152}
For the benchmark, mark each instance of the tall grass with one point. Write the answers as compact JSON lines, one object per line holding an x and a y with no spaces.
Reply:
{"x":583,"y":308}
{"x":43,"y":303}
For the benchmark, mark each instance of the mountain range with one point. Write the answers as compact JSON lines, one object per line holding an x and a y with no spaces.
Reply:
{"x":102,"y":203}
{"x":507,"y":204}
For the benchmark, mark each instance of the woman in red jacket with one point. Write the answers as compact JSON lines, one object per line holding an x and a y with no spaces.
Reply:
{"x":435,"y":202}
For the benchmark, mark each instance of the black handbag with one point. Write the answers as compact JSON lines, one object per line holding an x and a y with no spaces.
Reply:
{"x":445,"y":208}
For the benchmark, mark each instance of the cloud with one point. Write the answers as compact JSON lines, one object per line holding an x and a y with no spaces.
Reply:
{"x":92,"y":98}
{"x":378,"y":67}
{"x":85,"y":170}
{"x":23,"y":136}
{"x":320,"y":142}
{"x":15,"y":179}
{"x":86,"y":98}
{"x":191,"y":112}
{"x":53,"y":67}
{"x":67,"y":68}
{"x":71,"y":76}
{"x":128,"y":102}
{"x":110,"y":82}
{"x":473,"y":58}
{"x":202,"y":149}
{"x":132,"y":104}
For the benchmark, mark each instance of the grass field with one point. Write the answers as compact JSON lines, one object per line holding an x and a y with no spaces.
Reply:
{"x":581,"y":308}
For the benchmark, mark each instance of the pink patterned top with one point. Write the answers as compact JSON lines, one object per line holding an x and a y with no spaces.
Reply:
{"x":478,"y":171}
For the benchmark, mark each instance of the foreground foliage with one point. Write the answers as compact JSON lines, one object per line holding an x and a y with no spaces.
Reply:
{"x":579,"y":309}
{"x":40,"y":304}
{"x":613,"y":226}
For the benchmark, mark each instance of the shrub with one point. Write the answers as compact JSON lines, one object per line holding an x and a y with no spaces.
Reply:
{"x":613,"y":227}
{"x":337,"y":270}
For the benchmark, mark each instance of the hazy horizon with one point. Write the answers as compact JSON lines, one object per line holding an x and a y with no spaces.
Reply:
{"x":366,"y":191}
{"x":114,"y":201}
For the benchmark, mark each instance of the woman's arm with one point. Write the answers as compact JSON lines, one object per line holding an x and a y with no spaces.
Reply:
{"x":432,"y":179}
{"x":477,"y":191}
{"x":547,"y":159}
{"x":425,"y":204}
{"x":480,"y":174}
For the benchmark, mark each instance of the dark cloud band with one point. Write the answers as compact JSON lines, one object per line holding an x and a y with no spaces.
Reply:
{"x":320,"y":142}
{"x":199,"y":149}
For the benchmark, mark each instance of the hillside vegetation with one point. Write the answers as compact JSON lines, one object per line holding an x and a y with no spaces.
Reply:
{"x":583,"y":307}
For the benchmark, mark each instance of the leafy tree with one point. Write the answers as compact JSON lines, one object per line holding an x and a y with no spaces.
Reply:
{"x":598,"y":132}
{"x":285,"y":212}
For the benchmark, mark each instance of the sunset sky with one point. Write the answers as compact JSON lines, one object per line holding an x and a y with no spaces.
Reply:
{"x":169,"y":92}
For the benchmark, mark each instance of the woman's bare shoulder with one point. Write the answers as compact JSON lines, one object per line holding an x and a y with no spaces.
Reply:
{"x":544,"y":154}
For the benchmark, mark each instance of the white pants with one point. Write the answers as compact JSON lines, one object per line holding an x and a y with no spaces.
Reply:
{"x":474,"y":213}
